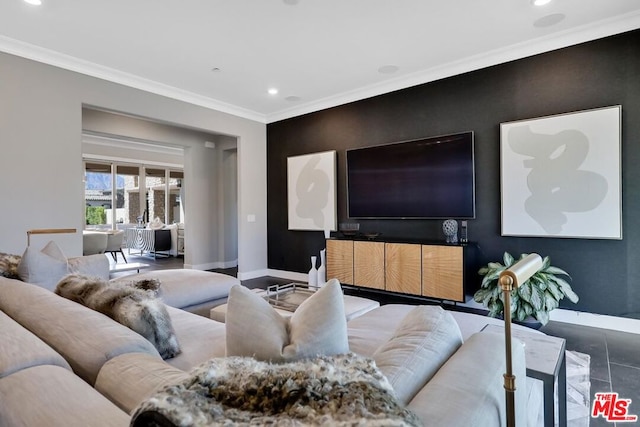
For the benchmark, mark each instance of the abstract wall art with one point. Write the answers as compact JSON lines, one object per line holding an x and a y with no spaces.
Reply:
{"x":561,"y":175}
{"x":311,"y":188}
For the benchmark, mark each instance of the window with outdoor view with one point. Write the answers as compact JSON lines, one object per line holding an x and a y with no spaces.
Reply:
{"x":126,"y":206}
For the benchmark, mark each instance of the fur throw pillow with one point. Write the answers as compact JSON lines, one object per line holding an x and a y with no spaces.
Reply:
{"x":9,"y":265}
{"x":342,"y":390}
{"x":132,"y":304}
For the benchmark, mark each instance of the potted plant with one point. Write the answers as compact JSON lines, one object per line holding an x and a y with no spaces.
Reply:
{"x":534,"y":298}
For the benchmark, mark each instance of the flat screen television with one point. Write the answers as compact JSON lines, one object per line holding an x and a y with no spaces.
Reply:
{"x":423,"y":178}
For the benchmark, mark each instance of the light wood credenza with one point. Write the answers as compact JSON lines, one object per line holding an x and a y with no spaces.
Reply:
{"x":428,"y":270}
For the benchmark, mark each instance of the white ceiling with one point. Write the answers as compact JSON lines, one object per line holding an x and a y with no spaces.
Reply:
{"x":322,"y":52}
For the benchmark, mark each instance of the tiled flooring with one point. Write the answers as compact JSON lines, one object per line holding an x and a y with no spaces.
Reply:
{"x":615,"y":356}
{"x":615,"y":361}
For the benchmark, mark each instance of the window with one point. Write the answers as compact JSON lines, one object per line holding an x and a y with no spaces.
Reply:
{"x":98,"y":191}
{"x":106,"y":208}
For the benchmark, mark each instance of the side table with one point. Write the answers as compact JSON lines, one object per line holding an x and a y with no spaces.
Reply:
{"x":544,"y":355}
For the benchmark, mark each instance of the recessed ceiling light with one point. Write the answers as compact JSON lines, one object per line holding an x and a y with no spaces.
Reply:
{"x":216,"y":69}
{"x":388,"y":69}
{"x":273,"y":91}
{"x":549,"y":20}
{"x":540,"y":2}
{"x":34,"y":2}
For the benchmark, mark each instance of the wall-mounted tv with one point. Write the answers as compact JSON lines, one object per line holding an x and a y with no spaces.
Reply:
{"x":423,"y":178}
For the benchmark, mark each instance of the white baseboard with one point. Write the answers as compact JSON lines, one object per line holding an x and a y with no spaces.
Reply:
{"x":289,"y":275}
{"x":212,"y":265}
{"x":583,"y":318}
{"x":622,"y":324}
{"x":281,"y":274}
{"x":248,"y":275}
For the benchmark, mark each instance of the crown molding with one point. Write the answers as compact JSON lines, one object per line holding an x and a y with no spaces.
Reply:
{"x":600,"y":29}
{"x":67,"y":62}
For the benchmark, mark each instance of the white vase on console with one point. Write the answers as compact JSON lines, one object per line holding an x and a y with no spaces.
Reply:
{"x":313,"y":273}
{"x":322,"y":270}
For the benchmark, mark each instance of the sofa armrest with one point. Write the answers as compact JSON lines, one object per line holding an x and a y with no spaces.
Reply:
{"x":468,"y":390}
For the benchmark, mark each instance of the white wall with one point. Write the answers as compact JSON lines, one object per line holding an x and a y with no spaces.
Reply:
{"x":41,"y":164}
{"x":230,"y":202}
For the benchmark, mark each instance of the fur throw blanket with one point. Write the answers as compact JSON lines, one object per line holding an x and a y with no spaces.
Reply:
{"x":343,"y":390}
{"x":9,"y":265}
{"x":133,"y":304}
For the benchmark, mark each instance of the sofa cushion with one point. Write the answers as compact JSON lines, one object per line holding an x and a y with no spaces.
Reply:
{"x":370,"y":331}
{"x":21,"y":349}
{"x":54,"y":396}
{"x":423,"y":342}
{"x":85,"y":338}
{"x":131,"y":306}
{"x":468,"y":390}
{"x":317,"y":327}
{"x":184,"y":288}
{"x":43,"y":267}
{"x":130,"y":378}
{"x":200,"y":339}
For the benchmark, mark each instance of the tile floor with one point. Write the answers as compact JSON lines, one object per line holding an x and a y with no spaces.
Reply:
{"x":615,"y":361}
{"x":615,"y":356}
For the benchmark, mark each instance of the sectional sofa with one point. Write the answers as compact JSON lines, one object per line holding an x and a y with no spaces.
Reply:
{"x":62,"y":364}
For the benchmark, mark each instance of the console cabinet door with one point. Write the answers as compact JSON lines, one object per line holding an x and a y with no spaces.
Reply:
{"x":403,"y":270}
{"x":442,"y":276}
{"x":340,"y":260}
{"x":368,"y":264}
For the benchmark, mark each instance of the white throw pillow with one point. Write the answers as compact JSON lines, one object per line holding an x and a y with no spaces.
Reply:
{"x":318,"y":326}
{"x":44,"y":268}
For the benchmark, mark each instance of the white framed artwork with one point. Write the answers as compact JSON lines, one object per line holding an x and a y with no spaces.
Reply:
{"x":311,"y":191}
{"x":561,"y":175}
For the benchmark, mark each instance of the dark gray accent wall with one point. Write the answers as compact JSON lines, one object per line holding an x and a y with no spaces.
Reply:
{"x":605,"y":72}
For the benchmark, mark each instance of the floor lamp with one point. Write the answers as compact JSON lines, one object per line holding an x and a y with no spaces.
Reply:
{"x":510,"y":279}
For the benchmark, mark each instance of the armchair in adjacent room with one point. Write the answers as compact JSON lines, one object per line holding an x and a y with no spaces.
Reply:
{"x":115,"y":241}
{"x":93,"y":242}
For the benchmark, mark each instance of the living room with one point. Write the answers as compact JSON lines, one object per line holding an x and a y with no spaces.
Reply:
{"x":571,"y":79}
{"x":42,"y":127}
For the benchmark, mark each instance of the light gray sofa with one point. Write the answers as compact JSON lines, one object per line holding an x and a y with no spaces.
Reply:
{"x":58,"y":345}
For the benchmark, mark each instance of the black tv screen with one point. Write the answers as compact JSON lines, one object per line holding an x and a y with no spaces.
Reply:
{"x":424,"y":178}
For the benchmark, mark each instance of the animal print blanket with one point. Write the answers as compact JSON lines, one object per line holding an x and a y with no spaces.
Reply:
{"x":133,"y":304}
{"x":344,"y":390}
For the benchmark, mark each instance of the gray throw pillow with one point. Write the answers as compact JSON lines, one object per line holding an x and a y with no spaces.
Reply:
{"x":318,"y":327}
{"x":44,"y":268}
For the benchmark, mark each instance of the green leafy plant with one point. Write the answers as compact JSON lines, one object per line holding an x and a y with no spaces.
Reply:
{"x":534,"y":298}
{"x":95,"y":215}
